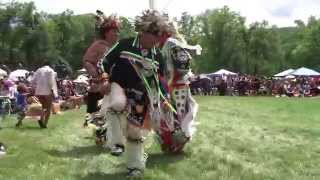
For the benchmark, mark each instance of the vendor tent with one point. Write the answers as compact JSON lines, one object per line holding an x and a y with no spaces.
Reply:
{"x":204,"y":76}
{"x":223,"y":72}
{"x":284,"y":73}
{"x":305,"y":72}
{"x":289,"y":77}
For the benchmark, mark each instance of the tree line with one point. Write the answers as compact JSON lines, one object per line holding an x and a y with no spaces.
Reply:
{"x":28,"y":37}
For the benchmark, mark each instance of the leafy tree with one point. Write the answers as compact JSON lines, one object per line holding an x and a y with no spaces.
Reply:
{"x":307,"y":52}
{"x":29,"y":37}
{"x":264,"y":49}
{"x":222,"y":40}
{"x":127,"y":28}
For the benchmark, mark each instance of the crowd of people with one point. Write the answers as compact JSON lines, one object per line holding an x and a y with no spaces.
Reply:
{"x":248,"y":85}
{"x":29,"y":93}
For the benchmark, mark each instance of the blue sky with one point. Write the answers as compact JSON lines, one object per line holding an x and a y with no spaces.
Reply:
{"x":278,"y":12}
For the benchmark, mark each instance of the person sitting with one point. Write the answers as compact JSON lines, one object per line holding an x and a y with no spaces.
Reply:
{"x":289,"y":90}
{"x":306,"y":89}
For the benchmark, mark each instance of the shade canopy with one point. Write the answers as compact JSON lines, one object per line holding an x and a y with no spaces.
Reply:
{"x":223,"y":72}
{"x":284,"y":73}
{"x":305,"y":72}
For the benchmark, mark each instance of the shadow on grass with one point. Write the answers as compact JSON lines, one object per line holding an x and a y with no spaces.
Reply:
{"x":88,"y":137}
{"x":21,"y":128}
{"x":77,"y":152}
{"x":162,"y":159}
{"x":103,"y":176}
{"x":26,"y":128}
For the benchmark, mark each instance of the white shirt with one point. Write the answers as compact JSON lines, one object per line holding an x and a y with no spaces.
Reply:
{"x":44,"y":81}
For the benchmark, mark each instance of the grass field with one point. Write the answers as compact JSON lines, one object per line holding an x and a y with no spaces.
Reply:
{"x":237,"y":138}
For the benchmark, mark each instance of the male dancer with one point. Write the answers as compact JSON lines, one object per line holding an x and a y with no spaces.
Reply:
{"x":132,"y":68}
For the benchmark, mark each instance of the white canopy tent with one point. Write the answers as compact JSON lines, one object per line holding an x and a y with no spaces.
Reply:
{"x":290,"y":77}
{"x":305,"y":72}
{"x":203,"y":76}
{"x":284,"y":73}
{"x":19,"y":73}
{"x":223,"y":72}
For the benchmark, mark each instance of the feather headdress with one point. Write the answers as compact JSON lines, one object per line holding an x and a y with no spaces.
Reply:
{"x":104,"y":23}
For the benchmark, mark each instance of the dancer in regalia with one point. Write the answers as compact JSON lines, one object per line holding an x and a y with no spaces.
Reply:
{"x":133,"y":70}
{"x":176,"y":126}
{"x":107,"y":31}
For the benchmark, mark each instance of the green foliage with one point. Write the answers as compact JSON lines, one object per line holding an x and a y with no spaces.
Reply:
{"x":28,"y":36}
{"x":222,"y":40}
{"x":259,"y":49}
{"x":301,"y":44}
{"x":263,"y":49}
{"x":127,"y":28}
{"x":188,"y":27}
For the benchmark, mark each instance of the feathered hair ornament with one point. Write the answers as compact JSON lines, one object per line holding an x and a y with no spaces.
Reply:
{"x":104,"y":23}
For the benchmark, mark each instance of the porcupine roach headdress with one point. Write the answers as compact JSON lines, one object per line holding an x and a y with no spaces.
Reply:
{"x":154,"y":22}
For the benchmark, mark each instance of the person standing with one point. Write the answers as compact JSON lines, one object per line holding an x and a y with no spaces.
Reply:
{"x":5,"y":101}
{"x":176,"y":127}
{"x":45,"y":87}
{"x":21,"y":101}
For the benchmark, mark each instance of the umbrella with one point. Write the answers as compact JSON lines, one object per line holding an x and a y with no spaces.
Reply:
{"x":19,"y":73}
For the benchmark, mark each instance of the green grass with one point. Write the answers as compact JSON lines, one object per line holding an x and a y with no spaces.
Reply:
{"x":237,"y":138}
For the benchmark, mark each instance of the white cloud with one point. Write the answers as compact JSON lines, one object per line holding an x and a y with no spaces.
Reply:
{"x":279,"y":12}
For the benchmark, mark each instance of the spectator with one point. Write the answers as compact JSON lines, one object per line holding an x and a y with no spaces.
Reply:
{"x":45,"y":85}
{"x":4,"y":98}
{"x":21,"y":103}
